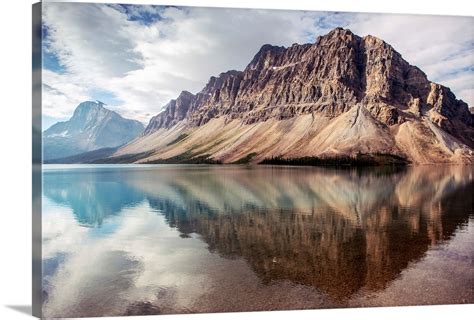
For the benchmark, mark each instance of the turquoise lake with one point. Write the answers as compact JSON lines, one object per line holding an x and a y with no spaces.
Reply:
{"x":160,"y":239}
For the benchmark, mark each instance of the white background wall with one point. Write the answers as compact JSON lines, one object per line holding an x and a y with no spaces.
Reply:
{"x":15,"y":155}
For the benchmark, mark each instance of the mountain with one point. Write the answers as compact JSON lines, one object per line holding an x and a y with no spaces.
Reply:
{"x":342,"y":96}
{"x":90,"y":128}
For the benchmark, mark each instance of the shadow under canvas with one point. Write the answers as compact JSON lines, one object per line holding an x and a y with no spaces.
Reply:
{"x":25,"y":309}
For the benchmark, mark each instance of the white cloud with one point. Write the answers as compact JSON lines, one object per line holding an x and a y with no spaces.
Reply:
{"x":145,"y":65}
{"x":441,"y":46}
{"x":141,"y":257}
{"x":62,"y":93}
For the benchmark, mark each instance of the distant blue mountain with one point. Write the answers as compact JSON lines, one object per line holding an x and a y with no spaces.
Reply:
{"x":90,"y":128}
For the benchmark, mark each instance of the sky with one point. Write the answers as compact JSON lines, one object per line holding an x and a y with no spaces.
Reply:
{"x":136,"y":58}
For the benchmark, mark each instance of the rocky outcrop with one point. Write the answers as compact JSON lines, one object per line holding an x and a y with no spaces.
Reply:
{"x":339,"y":72}
{"x":174,"y":111}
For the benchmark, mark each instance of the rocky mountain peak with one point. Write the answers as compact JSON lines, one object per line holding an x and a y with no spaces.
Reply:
{"x":374,"y":41}
{"x":326,"y":78}
{"x":265,"y":57}
{"x":338,"y":34}
{"x":91,"y":127}
{"x":87,"y":114}
{"x":89,"y":106}
{"x":216,"y":83}
{"x":184,"y":97}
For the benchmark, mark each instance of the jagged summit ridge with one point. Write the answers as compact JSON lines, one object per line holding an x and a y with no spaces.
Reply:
{"x":339,"y":70}
{"x":320,"y":81}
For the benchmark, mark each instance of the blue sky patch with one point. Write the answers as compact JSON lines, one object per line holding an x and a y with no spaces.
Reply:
{"x":146,"y":15}
{"x":107,"y":97}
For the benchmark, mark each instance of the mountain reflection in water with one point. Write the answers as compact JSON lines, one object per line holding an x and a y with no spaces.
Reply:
{"x":169,"y":237}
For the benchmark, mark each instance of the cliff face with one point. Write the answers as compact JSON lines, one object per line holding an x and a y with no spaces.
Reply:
{"x":174,"y":111}
{"x":340,"y":72}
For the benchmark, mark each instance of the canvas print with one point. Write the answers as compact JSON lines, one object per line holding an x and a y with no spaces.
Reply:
{"x":192,"y":160}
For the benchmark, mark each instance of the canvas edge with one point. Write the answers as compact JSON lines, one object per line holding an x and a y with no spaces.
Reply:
{"x":37,"y":299}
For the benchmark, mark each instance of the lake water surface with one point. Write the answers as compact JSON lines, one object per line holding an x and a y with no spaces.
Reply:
{"x":129,"y":240}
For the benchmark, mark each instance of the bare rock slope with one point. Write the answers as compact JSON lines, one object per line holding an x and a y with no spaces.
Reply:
{"x":342,"y":95}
